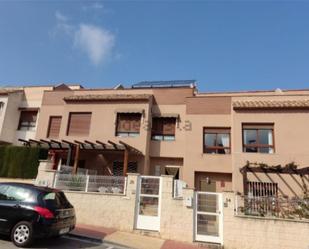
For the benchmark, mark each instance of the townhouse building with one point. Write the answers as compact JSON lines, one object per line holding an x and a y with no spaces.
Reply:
{"x":156,"y":128}
{"x":19,"y":111}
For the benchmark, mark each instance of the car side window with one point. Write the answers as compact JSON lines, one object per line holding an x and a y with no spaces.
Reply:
{"x":3,"y":195}
{"x":13,"y":193}
{"x":18,"y":194}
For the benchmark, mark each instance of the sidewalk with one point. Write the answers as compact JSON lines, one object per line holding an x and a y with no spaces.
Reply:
{"x":127,"y":239}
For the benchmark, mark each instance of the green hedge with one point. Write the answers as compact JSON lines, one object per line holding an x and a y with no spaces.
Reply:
{"x":20,"y":162}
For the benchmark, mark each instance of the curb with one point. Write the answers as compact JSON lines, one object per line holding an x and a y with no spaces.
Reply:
{"x":96,"y":240}
{"x":85,"y":237}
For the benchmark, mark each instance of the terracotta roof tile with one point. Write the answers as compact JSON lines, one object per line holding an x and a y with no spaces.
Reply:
{"x":106,"y":97}
{"x":258,"y":104}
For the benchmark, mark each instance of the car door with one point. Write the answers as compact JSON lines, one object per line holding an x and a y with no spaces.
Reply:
{"x":4,"y":209}
{"x":10,"y":206}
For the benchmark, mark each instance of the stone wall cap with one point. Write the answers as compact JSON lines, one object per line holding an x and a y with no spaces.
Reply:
{"x":168,"y":176}
{"x":189,"y":188}
{"x":271,"y":218}
{"x":133,"y":174}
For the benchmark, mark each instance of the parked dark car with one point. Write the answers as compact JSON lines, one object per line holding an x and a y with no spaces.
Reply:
{"x":28,"y":212}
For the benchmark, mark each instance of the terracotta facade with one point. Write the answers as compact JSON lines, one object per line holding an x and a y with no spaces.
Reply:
{"x":193,"y":111}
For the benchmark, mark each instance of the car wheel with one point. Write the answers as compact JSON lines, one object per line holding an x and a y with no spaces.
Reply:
{"x":22,"y":234}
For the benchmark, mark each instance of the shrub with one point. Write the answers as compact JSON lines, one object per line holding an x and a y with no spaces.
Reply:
{"x":20,"y":162}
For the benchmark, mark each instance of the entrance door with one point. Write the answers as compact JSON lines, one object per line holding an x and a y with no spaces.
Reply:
{"x":148,"y":206}
{"x":209,"y":217}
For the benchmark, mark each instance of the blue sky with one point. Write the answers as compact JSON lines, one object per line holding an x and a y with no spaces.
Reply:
{"x":224,"y":45}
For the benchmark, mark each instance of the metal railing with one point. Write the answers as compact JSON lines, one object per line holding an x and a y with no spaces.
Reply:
{"x":91,"y":183}
{"x":272,"y":206}
{"x":80,"y":171}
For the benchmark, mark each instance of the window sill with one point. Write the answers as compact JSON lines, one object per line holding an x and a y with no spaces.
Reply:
{"x":259,"y":153}
{"x":78,"y":135}
{"x":163,"y":140}
{"x":216,"y":154}
{"x":127,"y":136}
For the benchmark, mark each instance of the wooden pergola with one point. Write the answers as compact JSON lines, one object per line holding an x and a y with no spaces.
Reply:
{"x":77,"y":146}
{"x":290,"y":168}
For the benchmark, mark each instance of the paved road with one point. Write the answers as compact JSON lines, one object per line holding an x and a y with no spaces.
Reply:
{"x":63,"y":243}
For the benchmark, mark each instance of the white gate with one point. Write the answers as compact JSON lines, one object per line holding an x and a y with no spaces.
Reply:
{"x":148,"y":203}
{"x":209,"y":217}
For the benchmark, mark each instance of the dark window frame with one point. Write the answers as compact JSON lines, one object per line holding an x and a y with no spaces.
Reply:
{"x":217,"y":149}
{"x":30,"y":125}
{"x":118,"y":167}
{"x":155,"y":136}
{"x":258,"y":146}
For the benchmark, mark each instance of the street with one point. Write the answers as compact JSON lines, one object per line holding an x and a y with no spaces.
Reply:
{"x":65,"y":242}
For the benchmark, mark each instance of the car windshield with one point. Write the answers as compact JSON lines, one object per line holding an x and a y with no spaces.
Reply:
{"x":56,"y":200}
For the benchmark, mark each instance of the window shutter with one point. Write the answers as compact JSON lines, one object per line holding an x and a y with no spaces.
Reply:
{"x":258,"y":126}
{"x":128,"y":122}
{"x":79,"y":124}
{"x":217,"y":130}
{"x":28,"y":116}
{"x":54,"y":127}
{"x":169,"y":126}
{"x":136,"y":122}
{"x":122,"y":124}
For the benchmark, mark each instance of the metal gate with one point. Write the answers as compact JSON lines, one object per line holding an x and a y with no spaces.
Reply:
{"x":148,"y":203}
{"x":209,"y":217}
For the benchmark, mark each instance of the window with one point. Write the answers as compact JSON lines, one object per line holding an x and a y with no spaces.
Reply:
{"x":1,"y":106}
{"x":54,"y":126}
{"x":217,"y":140}
{"x":27,"y":120}
{"x":55,"y":200}
{"x":163,"y":129}
{"x":13,"y":193}
{"x":128,"y":124}
{"x":261,"y":198}
{"x":258,"y":138}
{"x":79,"y":124}
{"x":118,"y":168}
{"x":262,"y":189}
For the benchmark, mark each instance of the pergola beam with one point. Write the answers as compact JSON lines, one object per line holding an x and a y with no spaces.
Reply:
{"x":90,"y":143}
{"x":114,"y":144}
{"x":68,"y":142}
{"x":125,"y":161}
{"x":84,"y":145}
{"x":80,"y":143}
{"x":24,"y":141}
{"x":57,"y":142}
{"x":101,"y":143}
{"x":130,"y":147}
{"x":47,"y":142}
{"x":273,"y":170}
{"x":76,"y":159}
{"x":290,"y":169}
{"x":35,"y":141}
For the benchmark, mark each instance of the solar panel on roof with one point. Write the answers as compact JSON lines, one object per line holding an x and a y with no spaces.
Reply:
{"x":169,"y":83}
